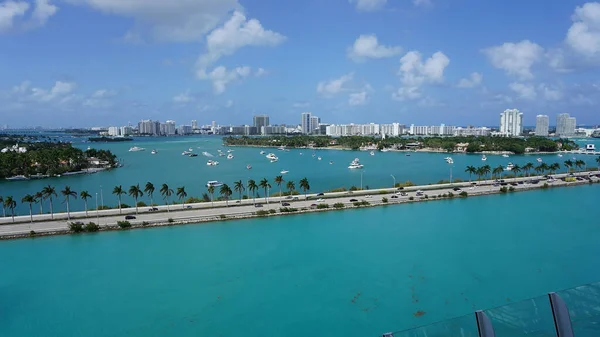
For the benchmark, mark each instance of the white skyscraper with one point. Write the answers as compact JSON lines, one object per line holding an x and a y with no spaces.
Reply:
{"x":194,"y":124}
{"x":565,"y":125}
{"x":305,"y":124}
{"x":314,"y":123}
{"x":169,"y":128}
{"x":541,"y":125}
{"x":511,"y":122}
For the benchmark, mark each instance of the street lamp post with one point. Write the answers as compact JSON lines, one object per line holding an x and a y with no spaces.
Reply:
{"x":394,"y":180}
{"x":97,"y":212}
{"x":361,"y":180}
{"x":101,"y":197}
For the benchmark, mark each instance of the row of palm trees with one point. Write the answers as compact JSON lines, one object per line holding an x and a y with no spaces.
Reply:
{"x":542,"y":168}
{"x":136,"y":192}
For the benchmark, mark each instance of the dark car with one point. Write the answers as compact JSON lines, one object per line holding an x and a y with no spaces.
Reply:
{"x":353,"y":200}
{"x":285,"y":204}
{"x":320,"y":194}
{"x":394,"y":197}
{"x":188,"y":206}
{"x":400,"y":188}
{"x":514,"y":184}
{"x":152,"y":209}
{"x":313,"y":205}
{"x":130,"y":217}
{"x":258,"y":205}
{"x":456,"y":189}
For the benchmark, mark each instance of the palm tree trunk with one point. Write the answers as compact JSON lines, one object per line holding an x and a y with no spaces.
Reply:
{"x":136,"y":206}
{"x":168,"y":205}
{"x":182,"y":204}
{"x":86,"y":212}
{"x":30,"y":213}
{"x":41,"y":207}
{"x":120,"y":211}
{"x":68,"y":213}
{"x":51,"y":209}
{"x":13,"y":214}
{"x":280,"y":194}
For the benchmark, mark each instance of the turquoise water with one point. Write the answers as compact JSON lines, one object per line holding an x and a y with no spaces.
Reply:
{"x":347,"y":273}
{"x":169,"y":166}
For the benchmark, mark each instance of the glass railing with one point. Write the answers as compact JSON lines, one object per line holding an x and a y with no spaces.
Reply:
{"x":534,"y":317}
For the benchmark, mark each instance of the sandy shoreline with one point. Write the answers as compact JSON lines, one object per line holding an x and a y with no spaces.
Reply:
{"x":204,"y":212}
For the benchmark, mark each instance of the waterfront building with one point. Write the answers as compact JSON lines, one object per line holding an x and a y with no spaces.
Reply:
{"x":565,"y":125}
{"x":170,"y":128}
{"x":442,"y":130}
{"x":541,"y":125}
{"x":194,"y":124}
{"x":394,"y":129}
{"x":145,"y":127}
{"x":305,"y":123}
{"x":314,"y":124}
{"x":260,"y":120}
{"x":416,"y":130}
{"x":511,"y":123}
{"x":183,"y":129}
{"x":472,"y":131}
{"x":114,"y":131}
{"x":273,"y":130}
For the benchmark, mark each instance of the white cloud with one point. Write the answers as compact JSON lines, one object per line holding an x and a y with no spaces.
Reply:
{"x":100,"y":99}
{"x":260,"y":72}
{"x":42,"y":12}
{"x":549,"y":93}
{"x":584,"y":34}
{"x":472,"y":81}
{"x":515,"y":58}
{"x":9,"y":12}
{"x":368,"y":5}
{"x":524,"y":90}
{"x":334,"y":86}
{"x":358,"y":98}
{"x":236,"y":33}
{"x":229,"y":104}
{"x":59,"y":90}
{"x":184,"y":97}
{"x":221,"y":77}
{"x":172,"y":20}
{"x":367,"y":46}
{"x":414,"y":73}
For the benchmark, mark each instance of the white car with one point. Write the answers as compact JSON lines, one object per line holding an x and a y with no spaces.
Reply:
{"x":320,"y":200}
{"x":419,"y":192}
{"x":368,"y":196}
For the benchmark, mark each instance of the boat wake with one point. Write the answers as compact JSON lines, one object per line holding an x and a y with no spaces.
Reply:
{"x":207,"y":154}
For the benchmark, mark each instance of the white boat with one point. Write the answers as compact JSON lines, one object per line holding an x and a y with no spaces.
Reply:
{"x":212,"y":163}
{"x":136,"y":148}
{"x":284,"y":172}
{"x":190,"y":149}
{"x":385,"y":150}
{"x":319,"y":158}
{"x":214,"y":183}
{"x":509,"y":167}
{"x":19,"y":177}
{"x":449,"y":160}
{"x":539,"y":160}
{"x":154,"y":152}
{"x":89,"y":148}
{"x":560,"y":155}
{"x":331,"y":162}
{"x":281,"y":148}
{"x":355,"y":164}
{"x":271,"y":156}
{"x":249,"y":167}
{"x":505,"y":155}
{"x":273,"y":160}
{"x":484,"y":158}
{"x":372,"y":153}
{"x":300,"y":153}
{"x":229,"y":151}
{"x":230,"y":156}
{"x":262,"y":152}
{"x":185,"y":153}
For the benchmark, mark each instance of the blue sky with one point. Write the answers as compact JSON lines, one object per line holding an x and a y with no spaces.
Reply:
{"x":109,"y":62}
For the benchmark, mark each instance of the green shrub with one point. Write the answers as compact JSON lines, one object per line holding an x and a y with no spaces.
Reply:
{"x":450,"y":195}
{"x":261,"y":213}
{"x":124,"y":224}
{"x":463,"y":194}
{"x":361,"y":203}
{"x":31,"y":233}
{"x":407,"y":183}
{"x":411,"y":198}
{"x":141,"y":204}
{"x":384,"y":200}
{"x":223,"y":216}
{"x":322,"y":206}
{"x":434,"y":197}
{"x":511,"y":189}
{"x":288,"y":210}
{"x":503,"y":189}
{"x":340,"y":189}
{"x":145,"y":223}
{"x":91,"y":227}
{"x":76,"y":227}
{"x":124,"y":206}
{"x":458,"y":180}
{"x":170,"y":220}
{"x":272,"y":211}
{"x":384,"y":192}
{"x":104,"y":207}
{"x":338,"y":205}
{"x":445,"y":195}
{"x":193,"y":200}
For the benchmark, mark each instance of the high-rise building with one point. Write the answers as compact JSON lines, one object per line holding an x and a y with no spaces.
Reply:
{"x":145,"y":127}
{"x":541,"y":125}
{"x":169,"y":128}
{"x":511,"y":123}
{"x":305,"y":124}
{"x":565,"y":125}
{"x":259,"y":121}
{"x":194,"y":124}
{"x":314,"y":124}
{"x":114,"y":131}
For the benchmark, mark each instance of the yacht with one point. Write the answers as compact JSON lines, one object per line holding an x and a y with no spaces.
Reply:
{"x":249,"y":167}
{"x":372,"y":153}
{"x":355,"y":164}
{"x":185,"y":153}
{"x":284,"y":172}
{"x":331,"y":162}
{"x":229,"y":151}
{"x":212,"y":163}
{"x":385,"y":150}
{"x":539,"y":160}
{"x":89,"y":148}
{"x":449,"y":160}
{"x":505,"y":155}
{"x":319,"y":158}
{"x":281,"y":148}
{"x":271,"y":156}
{"x":214,"y":183}
{"x":262,"y":152}
{"x":154,"y":152}
{"x":19,"y":177}
{"x":230,"y":156}
{"x":193,"y":155}
{"x":190,"y":149}
{"x":136,"y":148}
{"x":484,"y":158}
{"x":560,"y":155}
{"x":273,"y":160}
{"x":509,"y":167}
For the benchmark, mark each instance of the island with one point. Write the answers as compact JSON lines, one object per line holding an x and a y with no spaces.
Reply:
{"x":470,"y":144}
{"x":110,"y":139}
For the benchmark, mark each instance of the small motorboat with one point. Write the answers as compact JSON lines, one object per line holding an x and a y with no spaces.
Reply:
{"x":212,"y":163}
{"x":284,"y":172}
{"x":193,"y":155}
{"x":505,"y":155}
{"x":319,"y":158}
{"x":249,"y":167}
{"x":154,"y":152}
{"x":262,"y":152}
{"x":372,"y":153}
{"x":331,"y":162}
{"x":230,"y":156}
{"x":539,"y":160}
{"x":484,"y":158}
{"x":185,"y":153}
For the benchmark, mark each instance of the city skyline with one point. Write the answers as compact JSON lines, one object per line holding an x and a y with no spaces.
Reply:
{"x":378,"y":61}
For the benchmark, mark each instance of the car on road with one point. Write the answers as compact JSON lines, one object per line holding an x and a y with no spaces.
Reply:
{"x":295,"y":198}
{"x":320,"y":200}
{"x":368,"y":196}
{"x":258,"y":205}
{"x":404,"y":194}
{"x":289,"y":197}
{"x":152,"y":209}
{"x":320,"y":194}
{"x":130,"y":217}
{"x":313,"y":206}
{"x":399,"y":188}
{"x":285,"y":204}
{"x":188,"y":207}
{"x":394,"y":197}
{"x":353,"y":200}
{"x":456,"y":189}
{"x":419,"y":192}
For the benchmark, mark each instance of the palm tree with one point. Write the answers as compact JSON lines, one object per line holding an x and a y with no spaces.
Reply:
{"x":11,"y":204}
{"x":149,"y":189}
{"x":497,"y":172}
{"x":3,"y":207}
{"x":579,"y":164}
{"x":264,"y":184}
{"x":471,"y":170}
{"x":539,"y":169}
{"x":238,"y":186}
{"x":118,"y":190}
{"x":211,"y":191}
{"x":568,"y":164}
{"x":305,"y":186}
{"x":136,"y":192}
{"x":30,"y":199}
{"x":181,"y":194}
{"x":516,"y":169}
{"x":39,"y":197}
{"x":486,"y":170}
{"x":527,"y":167}
{"x":48,"y":192}
{"x":598,"y":161}
{"x":226,"y":192}
{"x":279,"y":181}
{"x":84,"y":195}
{"x":290,"y":186}
{"x":252,"y":187}
{"x":479,"y":172}
{"x":545,"y":167}
{"x":166,"y":193}
{"x":68,"y":193}
{"x":554,"y":168}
